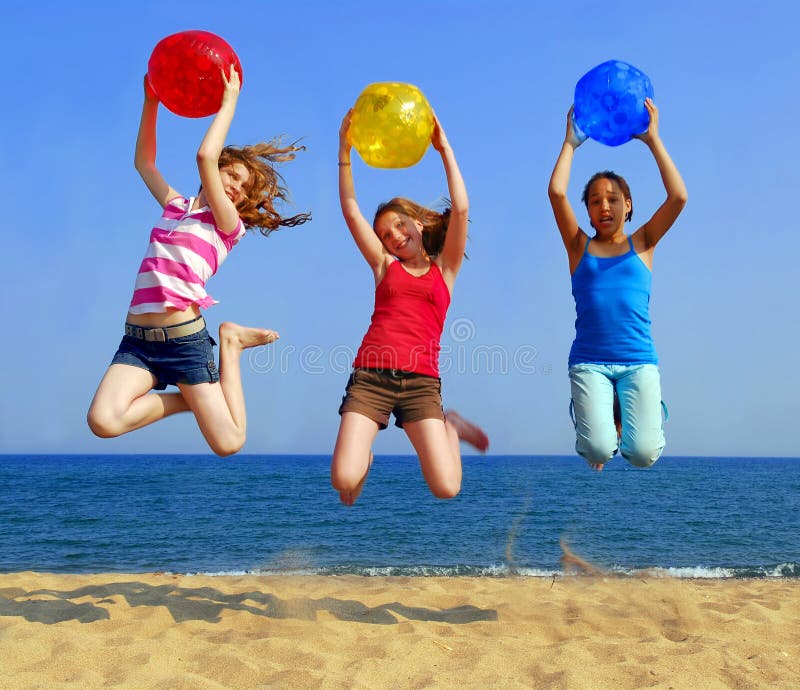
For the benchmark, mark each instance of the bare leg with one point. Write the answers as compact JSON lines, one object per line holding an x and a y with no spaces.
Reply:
{"x":439,"y":455}
{"x":467,"y":431}
{"x":122,"y":402}
{"x":352,"y":456}
{"x":233,"y":340}
{"x":220,"y":407}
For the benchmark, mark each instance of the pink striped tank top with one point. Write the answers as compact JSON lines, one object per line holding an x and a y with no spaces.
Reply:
{"x":186,"y":248}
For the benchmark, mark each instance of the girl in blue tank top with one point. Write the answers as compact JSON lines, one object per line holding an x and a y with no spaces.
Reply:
{"x":613,"y":367}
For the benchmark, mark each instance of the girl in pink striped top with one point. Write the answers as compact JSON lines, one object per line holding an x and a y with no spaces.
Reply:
{"x":165,"y":339}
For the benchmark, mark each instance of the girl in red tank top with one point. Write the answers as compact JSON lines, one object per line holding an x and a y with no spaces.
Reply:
{"x":415,"y":254}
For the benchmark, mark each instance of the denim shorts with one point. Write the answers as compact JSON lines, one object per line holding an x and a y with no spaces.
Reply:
{"x":188,"y":359}
{"x":377,"y":393}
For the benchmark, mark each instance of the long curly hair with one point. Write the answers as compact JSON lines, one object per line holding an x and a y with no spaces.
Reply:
{"x":434,"y":223}
{"x":257,"y":209}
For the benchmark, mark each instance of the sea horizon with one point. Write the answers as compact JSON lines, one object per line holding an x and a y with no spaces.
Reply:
{"x":533,"y":456}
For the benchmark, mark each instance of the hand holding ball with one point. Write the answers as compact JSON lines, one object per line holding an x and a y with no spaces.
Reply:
{"x":392,"y":124}
{"x":185,"y":71}
{"x":609,"y":102}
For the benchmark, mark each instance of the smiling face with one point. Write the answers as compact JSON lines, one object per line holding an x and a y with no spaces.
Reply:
{"x":235,"y":177}
{"x":608,"y":206}
{"x":400,"y":234}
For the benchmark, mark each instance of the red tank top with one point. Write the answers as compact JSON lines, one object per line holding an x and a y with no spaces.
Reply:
{"x":407,"y":322}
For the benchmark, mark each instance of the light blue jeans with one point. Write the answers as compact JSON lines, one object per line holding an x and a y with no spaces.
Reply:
{"x":638,"y":388}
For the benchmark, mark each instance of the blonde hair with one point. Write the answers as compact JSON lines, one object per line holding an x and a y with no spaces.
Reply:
{"x":434,"y":223}
{"x":257,"y":209}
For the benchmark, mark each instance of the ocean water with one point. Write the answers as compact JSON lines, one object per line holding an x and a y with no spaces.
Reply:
{"x":685,"y":517}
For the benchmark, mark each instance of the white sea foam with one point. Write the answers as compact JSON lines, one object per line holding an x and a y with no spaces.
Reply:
{"x":502,"y":570}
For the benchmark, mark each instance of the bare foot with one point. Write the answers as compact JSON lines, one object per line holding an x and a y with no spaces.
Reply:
{"x":597,"y":466}
{"x":467,"y":431}
{"x":244,"y":337}
{"x":349,"y":497}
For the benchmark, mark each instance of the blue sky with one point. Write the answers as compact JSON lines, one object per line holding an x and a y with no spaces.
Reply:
{"x":501,"y":76}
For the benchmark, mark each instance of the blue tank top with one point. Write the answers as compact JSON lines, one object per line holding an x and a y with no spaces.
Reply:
{"x":612,"y":304}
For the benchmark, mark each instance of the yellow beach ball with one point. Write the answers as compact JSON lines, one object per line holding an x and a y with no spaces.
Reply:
{"x":391,"y":125}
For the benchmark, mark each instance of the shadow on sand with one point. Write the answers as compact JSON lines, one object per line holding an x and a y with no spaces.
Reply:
{"x":206,"y":604}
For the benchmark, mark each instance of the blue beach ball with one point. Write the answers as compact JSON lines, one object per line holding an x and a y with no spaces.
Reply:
{"x":609,"y":102}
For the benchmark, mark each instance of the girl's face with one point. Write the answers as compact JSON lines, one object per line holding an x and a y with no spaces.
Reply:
{"x":607,"y":206}
{"x":234,"y":180}
{"x":400,"y":234}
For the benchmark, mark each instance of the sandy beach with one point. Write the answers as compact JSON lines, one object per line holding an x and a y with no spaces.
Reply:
{"x":165,"y":631}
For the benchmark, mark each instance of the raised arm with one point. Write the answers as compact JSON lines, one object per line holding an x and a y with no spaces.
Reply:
{"x":654,"y":229}
{"x":366,"y":240}
{"x":223,"y":209}
{"x":566,"y":221}
{"x":145,"y":157}
{"x":455,"y":242}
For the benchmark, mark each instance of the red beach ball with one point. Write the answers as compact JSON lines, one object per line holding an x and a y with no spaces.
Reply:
{"x":184,"y":71}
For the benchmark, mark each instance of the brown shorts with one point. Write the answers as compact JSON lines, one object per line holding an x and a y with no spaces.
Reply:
{"x":377,"y":393}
